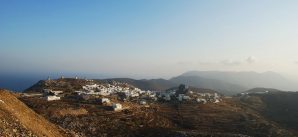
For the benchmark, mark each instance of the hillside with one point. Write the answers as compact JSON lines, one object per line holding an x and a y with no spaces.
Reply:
{"x":200,"y":82}
{"x":247,"y":80}
{"x":67,"y":85}
{"x":16,"y":119}
{"x":230,"y":117}
{"x":163,"y":119}
{"x":278,"y":106}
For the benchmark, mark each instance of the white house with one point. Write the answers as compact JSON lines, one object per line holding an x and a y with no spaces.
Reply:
{"x":201,"y":100}
{"x":90,"y":87}
{"x":143,"y":102}
{"x":182,"y":97}
{"x":105,"y":100}
{"x":117,"y":106}
{"x":152,"y":95}
{"x":216,"y":101}
{"x":51,"y":98}
{"x":216,"y":96}
{"x":186,"y":98}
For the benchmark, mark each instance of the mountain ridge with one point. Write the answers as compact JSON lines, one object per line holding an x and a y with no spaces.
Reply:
{"x":247,"y":79}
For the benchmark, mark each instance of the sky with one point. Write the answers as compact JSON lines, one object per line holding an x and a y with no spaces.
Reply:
{"x":148,"y":38}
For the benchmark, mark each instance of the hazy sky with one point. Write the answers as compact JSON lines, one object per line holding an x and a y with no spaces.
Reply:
{"x":148,"y":38}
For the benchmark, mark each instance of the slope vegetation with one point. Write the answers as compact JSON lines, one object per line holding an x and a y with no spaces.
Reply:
{"x":228,"y":118}
{"x":277,"y":106}
{"x":16,"y":119}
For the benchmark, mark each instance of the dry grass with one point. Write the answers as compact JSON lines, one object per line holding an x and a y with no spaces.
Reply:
{"x":27,"y":117}
{"x":70,"y":111}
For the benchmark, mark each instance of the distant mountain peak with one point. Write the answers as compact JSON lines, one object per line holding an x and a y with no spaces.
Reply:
{"x":246,"y":79}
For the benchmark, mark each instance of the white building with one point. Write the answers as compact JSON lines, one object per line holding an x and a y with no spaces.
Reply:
{"x":143,"y":102}
{"x":52,"y":98}
{"x":216,"y":96}
{"x":117,"y":107}
{"x":105,"y":101}
{"x":201,"y":100}
{"x":90,"y":87}
{"x":216,"y":101}
{"x":182,"y":97}
{"x":186,"y":98}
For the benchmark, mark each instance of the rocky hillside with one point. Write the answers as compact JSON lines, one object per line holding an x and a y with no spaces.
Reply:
{"x":259,"y":112}
{"x":17,"y":120}
{"x":90,"y":118}
{"x":278,"y":106}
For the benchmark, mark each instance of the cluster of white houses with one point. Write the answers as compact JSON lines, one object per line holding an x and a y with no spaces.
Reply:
{"x":126,"y":92}
{"x":190,"y":96}
{"x":108,"y":89}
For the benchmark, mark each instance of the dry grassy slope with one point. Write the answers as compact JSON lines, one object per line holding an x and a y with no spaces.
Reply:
{"x":99,"y":121}
{"x":280,"y":107}
{"x":228,"y":116}
{"x":17,"y":115}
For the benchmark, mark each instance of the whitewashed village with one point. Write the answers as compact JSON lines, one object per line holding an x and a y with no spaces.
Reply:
{"x":102,"y":106}
{"x":112,"y":94}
